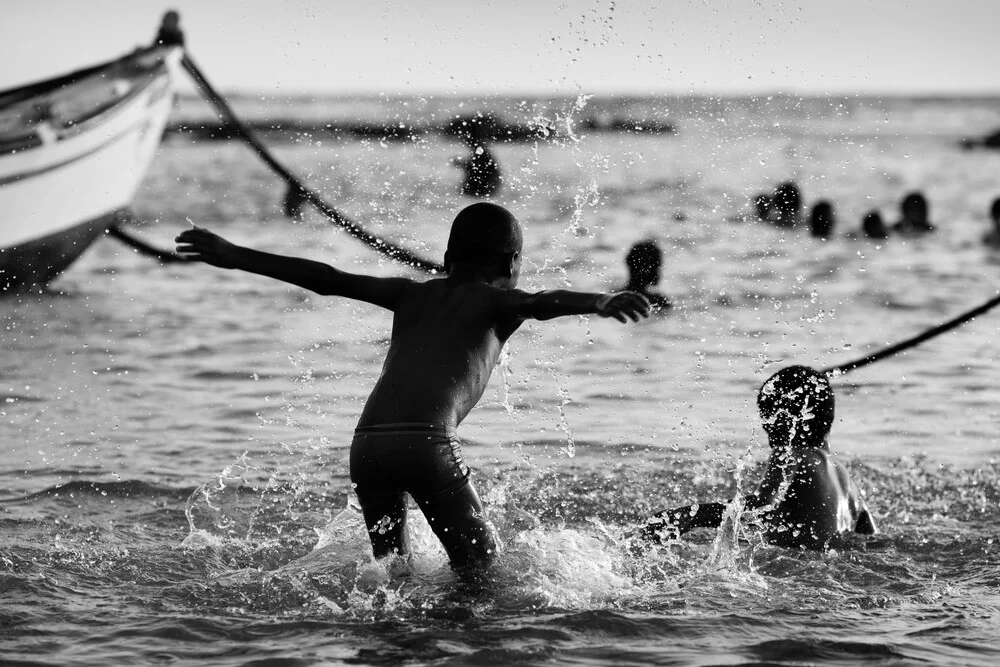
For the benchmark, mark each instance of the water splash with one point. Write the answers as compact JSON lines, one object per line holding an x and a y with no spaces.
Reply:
{"x":228,"y":506}
{"x":591,"y":197}
{"x":569,"y":449}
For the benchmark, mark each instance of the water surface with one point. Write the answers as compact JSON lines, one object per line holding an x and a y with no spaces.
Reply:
{"x":175,"y":481}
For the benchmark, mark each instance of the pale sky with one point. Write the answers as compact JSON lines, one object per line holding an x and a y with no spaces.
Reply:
{"x":533,"y":46}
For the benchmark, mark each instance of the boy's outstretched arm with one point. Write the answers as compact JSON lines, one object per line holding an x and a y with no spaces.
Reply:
{"x":558,"y":303}
{"x":204,"y":246}
{"x":671,"y":524}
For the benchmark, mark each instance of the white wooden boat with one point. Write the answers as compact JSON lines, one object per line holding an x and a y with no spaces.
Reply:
{"x":73,"y":151}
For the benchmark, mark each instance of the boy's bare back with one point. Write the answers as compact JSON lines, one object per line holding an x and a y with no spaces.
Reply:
{"x":446,"y":340}
{"x":447,"y":335}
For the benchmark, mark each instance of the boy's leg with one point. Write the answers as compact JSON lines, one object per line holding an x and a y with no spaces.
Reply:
{"x":383,"y":503}
{"x":459,"y":521}
{"x":385,"y":517}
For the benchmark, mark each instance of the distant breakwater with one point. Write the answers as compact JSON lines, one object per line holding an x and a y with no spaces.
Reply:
{"x":488,"y":129}
{"x":991,"y":140}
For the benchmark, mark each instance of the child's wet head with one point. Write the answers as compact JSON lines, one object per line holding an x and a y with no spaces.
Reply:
{"x":787,"y":201}
{"x":822,"y":219}
{"x":796,"y":406}
{"x":874,"y":226}
{"x":644,"y":260}
{"x":914,"y":207}
{"x":484,"y":235}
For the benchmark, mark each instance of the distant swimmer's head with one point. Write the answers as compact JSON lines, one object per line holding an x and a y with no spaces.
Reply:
{"x":796,"y":406}
{"x":995,"y":211}
{"x":821,"y":219}
{"x":874,"y":226}
{"x":644,"y":261}
{"x":914,"y":207}
{"x":487,"y":238}
{"x":787,"y":202}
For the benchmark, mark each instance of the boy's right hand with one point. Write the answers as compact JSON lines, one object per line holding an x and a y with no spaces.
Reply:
{"x":623,"y":305}
{"x":661,"y":529}
{"x":202,"y":245}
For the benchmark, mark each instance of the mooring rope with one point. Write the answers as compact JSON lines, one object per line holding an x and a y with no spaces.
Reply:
{"x":836,"y":371}
{"x":115,"y":230}
{"x":227,"y":115}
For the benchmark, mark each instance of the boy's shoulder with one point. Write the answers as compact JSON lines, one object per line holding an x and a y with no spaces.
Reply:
{"x":811,"y":457}
{"x":820,"y":471}
{"x":819,"y":464}
{"x":482,"y":289}
{"x":468,"y":295}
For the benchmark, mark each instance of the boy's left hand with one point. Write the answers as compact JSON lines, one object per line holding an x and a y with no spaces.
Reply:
{"x":623,"y":305}
{"x":203,"y":246}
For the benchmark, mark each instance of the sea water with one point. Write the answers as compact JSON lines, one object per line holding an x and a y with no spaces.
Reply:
{"x":174,"y":474}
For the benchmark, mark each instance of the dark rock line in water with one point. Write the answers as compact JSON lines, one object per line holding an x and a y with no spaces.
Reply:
{"x":498,"y":130}
{"x":991,"y":140}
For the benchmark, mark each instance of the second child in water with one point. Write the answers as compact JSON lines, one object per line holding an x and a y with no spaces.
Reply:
{"x":447,"y":335}
{"x":807,"y":498}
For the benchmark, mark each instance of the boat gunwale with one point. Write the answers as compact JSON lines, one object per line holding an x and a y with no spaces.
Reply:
{"x":74,"y":128}
{"x":29,"y":90}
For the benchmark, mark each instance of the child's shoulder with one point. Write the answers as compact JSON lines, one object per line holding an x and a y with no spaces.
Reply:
{"x":819,"y":466}
{"x":816,"y":455}
{"x":817,"y":462}
{"x":489,"y":290}
{"x":470,"y":294}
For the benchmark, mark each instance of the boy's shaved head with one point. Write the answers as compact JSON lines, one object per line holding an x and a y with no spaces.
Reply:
{"x":484,"y":233}
{"x":796,"y":403}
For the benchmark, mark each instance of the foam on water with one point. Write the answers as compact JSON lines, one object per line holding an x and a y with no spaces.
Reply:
{"x":930,"y":573}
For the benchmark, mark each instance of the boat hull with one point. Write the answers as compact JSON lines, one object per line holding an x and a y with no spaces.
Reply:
{"x":63,"y":186}
{"x":34,"y":263}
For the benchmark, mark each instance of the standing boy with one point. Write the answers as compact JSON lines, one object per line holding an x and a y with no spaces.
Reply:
{"x":806,"y":498}
{"x":447,"y":334}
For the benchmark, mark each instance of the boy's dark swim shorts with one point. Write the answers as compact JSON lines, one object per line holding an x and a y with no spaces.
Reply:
{"x":425,"y":461}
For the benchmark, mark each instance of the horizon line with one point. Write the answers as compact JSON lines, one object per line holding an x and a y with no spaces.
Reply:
{"x":556,"y":93}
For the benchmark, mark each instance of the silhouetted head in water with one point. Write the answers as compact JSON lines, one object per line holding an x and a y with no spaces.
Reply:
{"x":762,"y":206}
{"x":995,"y":212}
{"x":915,"y":215}
{"x":482,"y":172}
{"x":485,"y":238}
{"x":644,"y":261}
{"x":787,"y":204}
{"x":294,"y":202}
{"x":822,"y":219}
{"x":796,"y":407}
{"x":914,"y":207}
{"x":873,"y":226}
